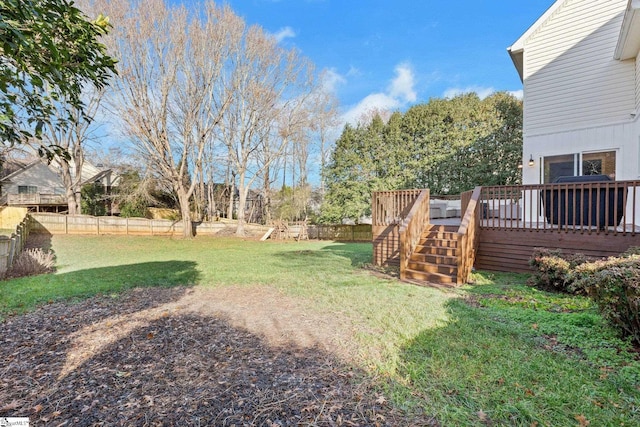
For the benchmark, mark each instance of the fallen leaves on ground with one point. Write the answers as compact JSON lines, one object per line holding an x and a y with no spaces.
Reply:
{"x":177,"y":369}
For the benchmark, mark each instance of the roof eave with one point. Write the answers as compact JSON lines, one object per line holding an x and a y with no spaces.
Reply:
{"x":629,"y":40}
{"x":516,"y":50}
{"x":517,"y":56}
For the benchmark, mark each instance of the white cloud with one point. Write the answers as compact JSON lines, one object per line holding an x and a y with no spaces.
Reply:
{"x":402,"y":86}
{"x":284,"y":33}
{"x":517,"y":93}
{"x":399,"y":93}
{"x":354,"y":72}
{"x":373,"y":102}
{"x":482,"y":92}
{"x":331,"y":79}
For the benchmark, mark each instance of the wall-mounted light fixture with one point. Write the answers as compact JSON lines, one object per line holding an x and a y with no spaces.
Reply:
{"x":531,"y":162}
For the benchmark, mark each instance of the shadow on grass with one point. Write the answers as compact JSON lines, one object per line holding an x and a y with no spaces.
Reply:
{"x":486,"y":368}
{"x":359,"y":254}
{"x":25,"y":293}
{"x":40,"y":240}
{"x":175,"y":368}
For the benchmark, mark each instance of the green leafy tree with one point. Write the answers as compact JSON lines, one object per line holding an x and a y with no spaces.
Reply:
{"x":291,"y":203}
{"x":355,"y":170}
{"x":133,"y":195}
{"x":93,"y":199}
{"x":441,"y":135}
{"x":498,"y":155}
{"x":49,"y":51}
{"x":446,"y":145}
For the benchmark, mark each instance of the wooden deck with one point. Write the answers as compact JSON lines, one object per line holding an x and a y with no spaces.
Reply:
{"x":597,"y":219}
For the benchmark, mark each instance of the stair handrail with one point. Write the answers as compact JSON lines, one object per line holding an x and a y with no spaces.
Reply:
{"x":468,"y":237}
{"x":411,"y":229}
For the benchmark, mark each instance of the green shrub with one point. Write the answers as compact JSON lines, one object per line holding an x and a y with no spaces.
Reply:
{"x":133,"y":209}
{"x":633,"y":250}
{"x":614,"y":284}
{"x":552,"y":269}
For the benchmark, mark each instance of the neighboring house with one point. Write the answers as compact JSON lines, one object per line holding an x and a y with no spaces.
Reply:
{"x":37,"y":185}
{"x":580,"y":68}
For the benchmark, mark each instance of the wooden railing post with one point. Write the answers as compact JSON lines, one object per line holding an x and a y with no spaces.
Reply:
{"x":595,"y":207}
{"x":468,"y":237}
{"x":411,"y":230}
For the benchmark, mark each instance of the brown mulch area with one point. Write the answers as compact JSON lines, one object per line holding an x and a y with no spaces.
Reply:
{"x":125,"y":361}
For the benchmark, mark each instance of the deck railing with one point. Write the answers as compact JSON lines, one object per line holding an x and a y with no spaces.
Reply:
{"x":391,"y":207}
{"x":412,"y":228}
{"x":468,"y":234}
{"x":609,"y":207}
{"x":465,"y":198}
{"x":36,"y":199}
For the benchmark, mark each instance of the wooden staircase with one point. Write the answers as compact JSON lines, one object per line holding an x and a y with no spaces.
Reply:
{"x":429,"y":253}
{"x":435,"y":258}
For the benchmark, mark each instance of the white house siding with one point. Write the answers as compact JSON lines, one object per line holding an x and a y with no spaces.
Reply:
{"x":622,"y":138}
{"x":638,"y":83}
{"x":38,"y":175}
{"x":570,"y":77}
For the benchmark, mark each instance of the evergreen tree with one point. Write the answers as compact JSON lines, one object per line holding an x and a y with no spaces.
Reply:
{"x":350,"y":175}
{"x":446,"y":145}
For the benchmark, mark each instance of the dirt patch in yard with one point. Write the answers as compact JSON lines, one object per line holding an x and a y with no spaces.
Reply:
{"x":185,"y":356}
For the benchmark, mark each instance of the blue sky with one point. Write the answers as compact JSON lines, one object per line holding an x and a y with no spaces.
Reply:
{"x":393,"y":54}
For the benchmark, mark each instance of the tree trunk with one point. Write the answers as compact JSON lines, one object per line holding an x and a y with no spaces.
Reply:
{"x":266,"y":194}
{"x":232,"y":193}
{"x":242,"y":201}
{"x":73,"y":204}
{"x":185,"y":212}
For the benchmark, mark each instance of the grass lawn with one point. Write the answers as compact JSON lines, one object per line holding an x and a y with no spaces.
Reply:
{"x":496,"y":353}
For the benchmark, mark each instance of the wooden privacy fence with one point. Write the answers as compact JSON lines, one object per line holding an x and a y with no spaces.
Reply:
{"x":83,"y":224}
{"x":341,"y":233}
{"x":11,"y":246}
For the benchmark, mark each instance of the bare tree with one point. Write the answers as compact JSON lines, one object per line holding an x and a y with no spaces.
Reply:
{"x":326,"y":122}
{"x":168,"y":89}
{"x":271,"y":90}
{"x":70,"y":142}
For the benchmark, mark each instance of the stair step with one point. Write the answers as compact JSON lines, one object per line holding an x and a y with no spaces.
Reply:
{"x":435,"y":250}
{"x":442,"y":243}
{"x":441,"y":279}
{"x":450,"y":270}
{"x":440,"y":235}
{"x":435,"y":258}
{"x":443,"y":228}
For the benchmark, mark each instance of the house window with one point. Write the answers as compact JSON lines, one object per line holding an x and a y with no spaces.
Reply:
{"x":603,"y":163}
{"x":556,"y":166}
{"x":598,"y":163}
{"x":27,"y":189}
